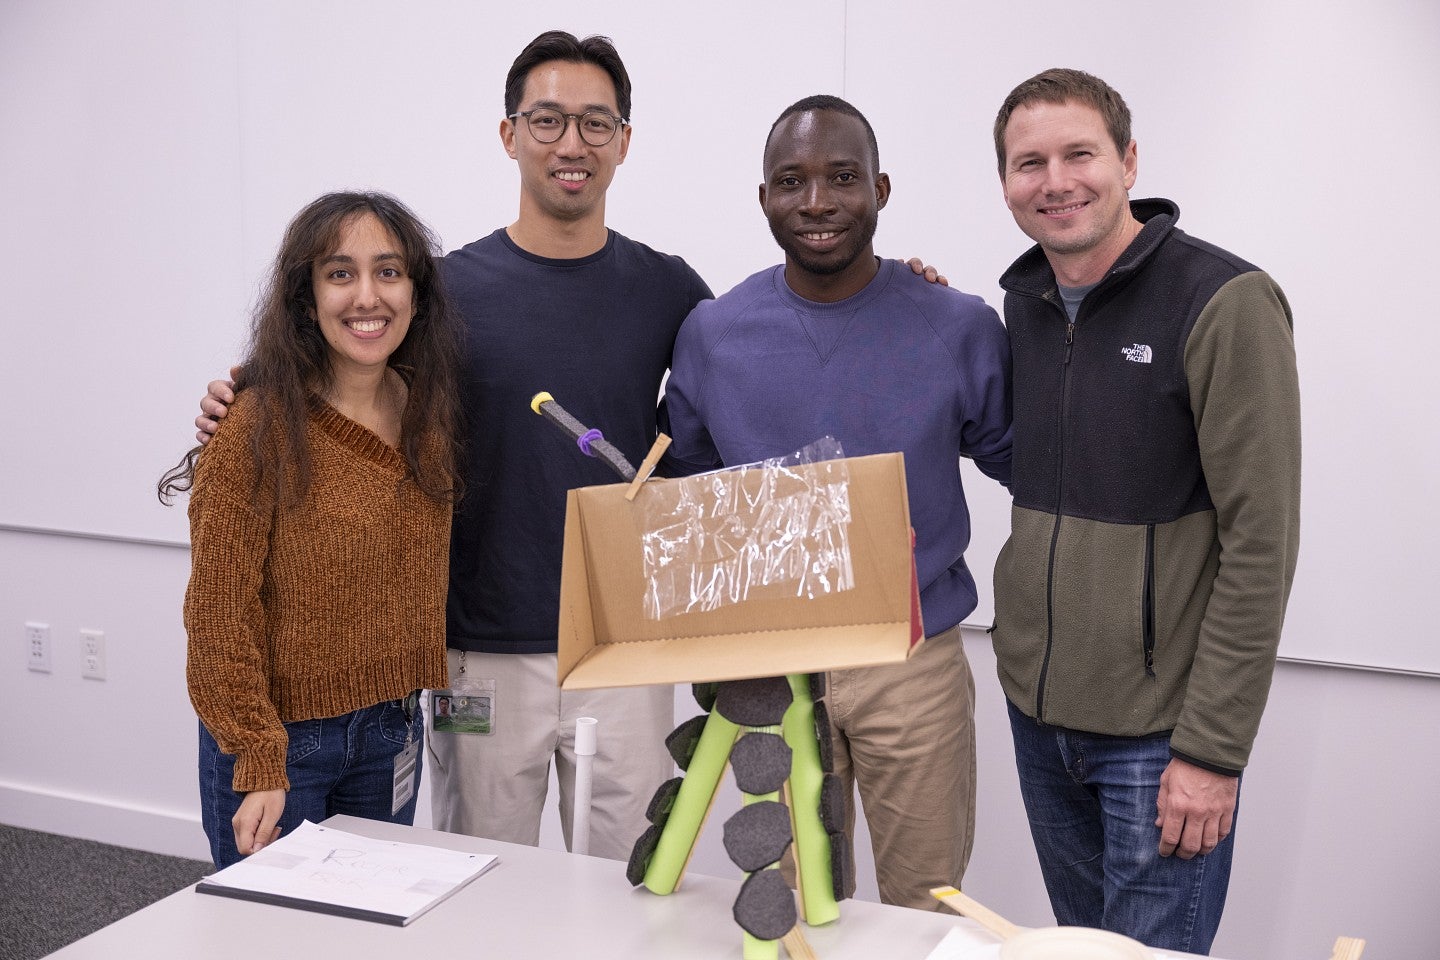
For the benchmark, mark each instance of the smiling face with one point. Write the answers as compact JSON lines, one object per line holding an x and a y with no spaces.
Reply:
{"x":364,"y":299}
{"x":823,"y":195}
{"x":565,"y":182}
{"x":1067,"y":185}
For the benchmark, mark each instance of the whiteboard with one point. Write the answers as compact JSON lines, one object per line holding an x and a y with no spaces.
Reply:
{"x":153,"y":152}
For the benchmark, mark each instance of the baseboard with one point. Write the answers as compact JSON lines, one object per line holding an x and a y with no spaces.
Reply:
{"x":139,"y":828}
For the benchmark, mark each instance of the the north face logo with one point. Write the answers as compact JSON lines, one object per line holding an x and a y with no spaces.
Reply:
{"x":1138,"y":353}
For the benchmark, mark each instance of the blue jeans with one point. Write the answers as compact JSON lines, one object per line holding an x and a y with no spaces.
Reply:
{"x":1091,"y":804}
{"x":343,"y":764}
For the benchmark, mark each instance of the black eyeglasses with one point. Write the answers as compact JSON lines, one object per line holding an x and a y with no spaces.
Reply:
{"x":596,"y":127}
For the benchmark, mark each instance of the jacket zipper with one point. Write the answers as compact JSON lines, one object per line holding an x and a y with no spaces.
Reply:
{"x":1055,"y":529}
{"x":1148,"y":613}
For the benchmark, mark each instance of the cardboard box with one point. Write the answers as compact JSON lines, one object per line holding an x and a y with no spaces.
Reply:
{"x":605,"y":640}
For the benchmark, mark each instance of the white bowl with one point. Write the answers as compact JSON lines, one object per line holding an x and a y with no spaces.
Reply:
{"x":1072,"y":943}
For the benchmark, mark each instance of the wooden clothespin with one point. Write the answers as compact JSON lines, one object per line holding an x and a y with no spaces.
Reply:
{"x":647,"y":466}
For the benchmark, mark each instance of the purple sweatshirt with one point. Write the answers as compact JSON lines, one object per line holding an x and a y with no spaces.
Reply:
{"x":904,"y":365}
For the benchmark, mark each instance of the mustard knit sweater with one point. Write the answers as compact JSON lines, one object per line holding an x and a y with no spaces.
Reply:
{"x":315,"y":610}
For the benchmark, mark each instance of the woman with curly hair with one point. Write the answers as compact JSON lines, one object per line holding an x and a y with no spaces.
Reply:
{"x":320,"y":527}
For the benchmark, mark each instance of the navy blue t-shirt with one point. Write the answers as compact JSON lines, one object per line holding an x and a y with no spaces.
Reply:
{"x":597,"y":333}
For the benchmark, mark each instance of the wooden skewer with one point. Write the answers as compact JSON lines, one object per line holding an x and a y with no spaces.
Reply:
{"x":981,"y":914}
{"x":800,"y":877}
{"x":647,"y":466}
{"x":1348,"y":948}
{"x":797,"y":946}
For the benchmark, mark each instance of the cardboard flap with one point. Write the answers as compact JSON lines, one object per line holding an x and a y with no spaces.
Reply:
{"x":606,"y":640}
{"x":738,"y":656}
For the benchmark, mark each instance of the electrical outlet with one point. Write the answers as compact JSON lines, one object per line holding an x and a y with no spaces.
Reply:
{"x":92,"y":654}
{"x":37,"y":646}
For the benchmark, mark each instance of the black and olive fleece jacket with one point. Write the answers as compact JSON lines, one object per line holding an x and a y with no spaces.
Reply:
{"x":1157,"y":495}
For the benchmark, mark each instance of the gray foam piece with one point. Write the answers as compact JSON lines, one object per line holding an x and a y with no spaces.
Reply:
{"x":817,"y":686}
{"x":822,"y":735}
{"x":840,"y":869}
{"x":600,"y":448}
{"x":760,"y":702}
{"x":640,"y":855}
{"x":832,"y":804}
{"x":664,"y":801}
{"x":683,"y":739}
{"x":705,"y":695}
{"x":765,"y":908}
{"x":758,"y":835}
{"x":761,"y":762}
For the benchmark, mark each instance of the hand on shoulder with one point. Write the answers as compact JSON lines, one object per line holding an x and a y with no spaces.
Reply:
{"x":219,"y":394}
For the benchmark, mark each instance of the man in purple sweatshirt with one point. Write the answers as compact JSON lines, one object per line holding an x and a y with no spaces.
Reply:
{"x":837,"y":342}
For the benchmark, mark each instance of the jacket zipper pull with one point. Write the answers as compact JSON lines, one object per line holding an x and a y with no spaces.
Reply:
{"x":1069,"y":339}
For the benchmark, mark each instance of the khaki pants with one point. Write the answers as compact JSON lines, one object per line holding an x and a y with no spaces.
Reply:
{"x":906,"y":734}
{"x":494,"y":785}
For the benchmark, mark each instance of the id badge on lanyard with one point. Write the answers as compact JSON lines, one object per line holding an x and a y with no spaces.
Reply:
{"x":468,"y":707}
{"x":406,"y":760}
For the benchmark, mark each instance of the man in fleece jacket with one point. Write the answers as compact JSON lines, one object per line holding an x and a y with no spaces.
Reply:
{"x":1155,"y":527}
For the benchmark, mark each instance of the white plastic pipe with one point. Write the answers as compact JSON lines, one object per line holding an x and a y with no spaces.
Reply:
{"x":585,"y":730}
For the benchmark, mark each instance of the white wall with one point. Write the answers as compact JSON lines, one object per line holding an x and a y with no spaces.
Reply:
{"x":153,"y":150}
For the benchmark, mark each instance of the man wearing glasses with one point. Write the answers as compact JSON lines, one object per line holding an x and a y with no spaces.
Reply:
{"x":555,"y":301}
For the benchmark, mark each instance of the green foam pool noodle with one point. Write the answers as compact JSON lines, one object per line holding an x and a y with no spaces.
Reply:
{"x":692,"y":802}
{"x":754,"y":948}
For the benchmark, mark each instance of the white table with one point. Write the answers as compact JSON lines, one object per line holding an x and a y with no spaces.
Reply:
{"x":535,"y":904}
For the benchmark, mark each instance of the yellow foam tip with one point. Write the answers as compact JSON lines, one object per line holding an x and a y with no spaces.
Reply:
{"x":940,"y":893}
{"x":539,"y":398}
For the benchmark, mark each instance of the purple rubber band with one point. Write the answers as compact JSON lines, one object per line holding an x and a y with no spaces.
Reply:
{"x":587,"y":438}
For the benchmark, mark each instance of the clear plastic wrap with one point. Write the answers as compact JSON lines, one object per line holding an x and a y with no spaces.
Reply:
{"x":778,"y":528}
